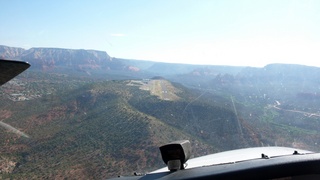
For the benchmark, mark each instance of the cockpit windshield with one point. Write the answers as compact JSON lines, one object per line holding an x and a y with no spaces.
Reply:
{"x":112,"y":81}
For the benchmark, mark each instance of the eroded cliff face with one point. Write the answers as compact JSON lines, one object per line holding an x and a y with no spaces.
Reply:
{"x":55,"y":58}
{"x":10,"y":52}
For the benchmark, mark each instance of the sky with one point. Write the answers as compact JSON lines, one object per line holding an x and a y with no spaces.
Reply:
{"x":217,"y":32}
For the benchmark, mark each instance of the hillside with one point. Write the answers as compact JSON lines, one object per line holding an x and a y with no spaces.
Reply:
{"x":85,"y":131}
{"x":80,"y":128}
{"x":277,"y":98}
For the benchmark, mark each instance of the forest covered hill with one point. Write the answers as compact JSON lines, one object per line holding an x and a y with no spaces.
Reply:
{"x":80,"y":128}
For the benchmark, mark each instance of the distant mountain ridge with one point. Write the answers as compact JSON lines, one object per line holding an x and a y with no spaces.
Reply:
{"x":47,"y":53}
{"x":58,"y":57}
{"x":10,"y":52}
{"x":93,"y":61}
{"x":100,"y":63}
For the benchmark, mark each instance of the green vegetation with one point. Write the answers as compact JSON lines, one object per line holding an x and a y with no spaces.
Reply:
{"x":82,"y":127}
{"x":87,"y":130}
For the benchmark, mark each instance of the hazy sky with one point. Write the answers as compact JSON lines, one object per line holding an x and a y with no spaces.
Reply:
{"x":227,"y":32}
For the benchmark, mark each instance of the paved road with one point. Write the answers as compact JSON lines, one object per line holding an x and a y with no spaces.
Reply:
{"x":302,"y":112}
